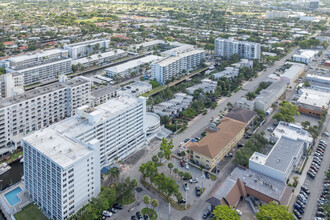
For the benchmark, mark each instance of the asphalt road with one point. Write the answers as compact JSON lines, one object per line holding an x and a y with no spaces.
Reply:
{"x":316,"y":185}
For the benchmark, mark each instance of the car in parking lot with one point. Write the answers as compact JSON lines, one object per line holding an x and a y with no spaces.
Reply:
{"x":304,"y":194}
{"x":198,"y":191}
{"x":106,"y":213}
{"x":133,"y":217}
{"x":314,"y":168}
{"x":185,"y":186}
{"x":195,"y":180}
{"x":181,"y":163}
{"x":305,"y":189}
{"x":112,"y":210}
{"x":302,"y":198}
{"x":302,"y":205}
{"x":187,"y":166}
{"x":139,"y":215}
{"x":182,"y":201}
{"x":229,"y":155}
{"x":326,"y":134}
{"x":117,"y":206}
{"x":146,"y":216}
{"x":270,"y":129}
{"x":297,"y":214}
{"x":206,"y":214}
{"x":320,"y":214}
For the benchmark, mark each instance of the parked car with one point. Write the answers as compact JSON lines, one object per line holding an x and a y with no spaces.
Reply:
{"x":206,"y":214}
{"x":239,"y":212}
{"x":207,"y":175}
{"x":316,"y":165}
{"x":326,"y":134}
{"x":117,"y":206}
{"x":305,"y":189}
{"x":112,"y":210}
{"x":106,"y":213}
{"x":297,"y":214}
{"x":314,"y":168}
{"x":302,"y":198}
{"x":195,"y":180}
{"x":270,"y":129}
{"x":185,"y":186}
{"x":198,"y":191}
{"x":311,"y":175}
{"x":304,"y":194}
{"x":182,"y":201}
{"x":229,"y":155}
{"x":146,"y":216}
{"x":302,"y":205}
{"x":187,"y":166}
{"x":133,"y":217}
{"x":181,"y":163}
{"x":320,"y":214}
{"x":139,"y":215}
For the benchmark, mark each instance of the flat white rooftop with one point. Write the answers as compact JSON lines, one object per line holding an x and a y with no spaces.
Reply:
{"x":294,"y":131}
{"x":57,"y":146}
{"x":97,"y":57}
{"x":315,"y":98}
{"x":172,"y":59}
{"x":32,"y":56}
{"x":132,"y":64}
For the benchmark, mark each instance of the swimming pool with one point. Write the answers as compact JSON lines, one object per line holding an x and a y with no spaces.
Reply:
{"x":12,"y":197}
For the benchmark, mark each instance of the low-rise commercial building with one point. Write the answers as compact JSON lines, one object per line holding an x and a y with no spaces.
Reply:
{"x":207,"y":85}
{"x":243,"y":182}
{"x":83,"y":49}
{"x":135,"y":89}
{"x":313,"y":102}
{"x":294,"y":131}
{"x":244,"y":49}
{"x":304,"y":56}
{"x":291,"y":74}
{"x":211,"y":149}
{"x":130,"y":66}
{"x":174,"y":106}
{"x":229,"y":72}
{"x":281,"y":160}
{"x":270,"y":95}
{"x":178,"y":63}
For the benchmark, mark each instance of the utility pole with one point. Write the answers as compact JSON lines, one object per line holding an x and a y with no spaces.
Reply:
{"x":186,"y":200}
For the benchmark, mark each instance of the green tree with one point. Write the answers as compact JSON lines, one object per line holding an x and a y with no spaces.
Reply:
{"x":154,"y":203}
{"x":170,"y":165}
{"x":305,"y":124}
{"x":146,"y":200}
{"x":155,"y":158}
{"x":187,"y":175}
{"x":148,"y":170}
{"x":250,"y":95}
{"x":160,"y":155}
{"x":167,"y":185}
{"x":114,"y":173}
{"x":181,"y":173}
{"x":274,"y":211}
{"x":224,"y":212}
{"x":286,"y":112}
{"x":176,"y":171}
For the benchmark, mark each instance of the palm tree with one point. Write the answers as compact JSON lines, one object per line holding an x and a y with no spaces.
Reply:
{"x":176,"y":170}
{"x":170,"y":165}
{"x":114,"y":173}
{"x":160,"y":155}
{"x":181,"y":173}
{"x":154,"y":203}
{"x":146,"y":200}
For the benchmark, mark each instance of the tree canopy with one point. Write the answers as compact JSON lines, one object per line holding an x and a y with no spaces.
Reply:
{"x":224,"y":212}
{"x":286,"y":112}
{"x":274,"y":211}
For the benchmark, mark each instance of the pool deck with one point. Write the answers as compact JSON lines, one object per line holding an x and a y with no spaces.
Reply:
{"x":11,"y":210}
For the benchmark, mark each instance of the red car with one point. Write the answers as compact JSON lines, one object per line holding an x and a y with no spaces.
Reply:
{"x":181,"y":163}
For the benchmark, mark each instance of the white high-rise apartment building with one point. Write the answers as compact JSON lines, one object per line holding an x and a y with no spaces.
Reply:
{"x":60,"y":174}
{"x":228,"y":47}
{"x":119,"y":124}
{"x":41,"y":67}
{"x":11,"y":84}
{"x":38,"y":108}
{"x":83,"y":49}
{"x":164,"y":69}
{"x":62,"y":163}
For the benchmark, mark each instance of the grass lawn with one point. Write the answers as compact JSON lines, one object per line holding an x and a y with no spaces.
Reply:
{"x":30,"y":212}
{"x":151,"y":213}
{"x":14,"y":156}
{"x":127,"y":200}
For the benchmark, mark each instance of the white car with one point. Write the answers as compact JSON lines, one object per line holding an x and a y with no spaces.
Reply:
{"x":185,"y":186}
{"x":239,"y":212}
{"x":187,"y":166}
{"x":326,"y":134}
{"x":270,"y":129}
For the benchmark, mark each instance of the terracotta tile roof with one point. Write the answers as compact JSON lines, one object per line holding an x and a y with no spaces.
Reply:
{"x":241,"y":114}
{"x":213,"y":143}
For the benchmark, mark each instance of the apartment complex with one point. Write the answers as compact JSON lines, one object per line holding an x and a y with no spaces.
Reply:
{"x":171,"y":66}
{"x":41,"y":67}
{"x":60,"y":175}
{"x":174,"y":106}
{"x":215,"y":145}
{"x":11,"y":84}
{"x":304,"y":56}
{"x":244,"y":49}
{"x":207,"y":85}
{"x":83,"y":49}
{"x":38,"y":108}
